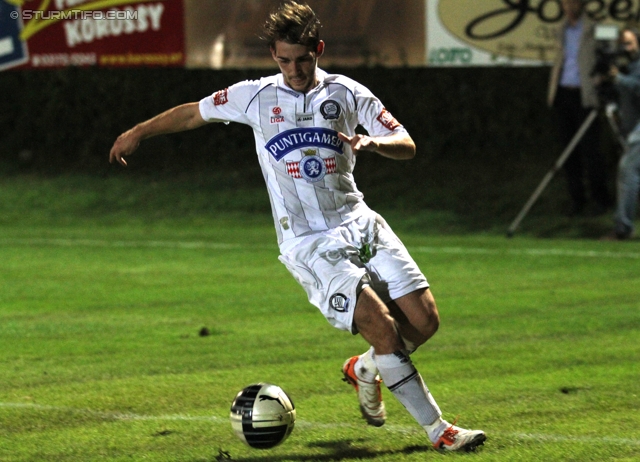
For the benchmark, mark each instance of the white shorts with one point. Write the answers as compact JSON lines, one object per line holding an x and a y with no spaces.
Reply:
{"x":331,"y":265}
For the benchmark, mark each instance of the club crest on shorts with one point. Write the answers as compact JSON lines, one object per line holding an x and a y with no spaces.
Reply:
{"x":330,"y":110}
{"x":339,"y":302}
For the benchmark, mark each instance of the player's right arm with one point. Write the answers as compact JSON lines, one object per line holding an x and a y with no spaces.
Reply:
{"x":178,"y":119}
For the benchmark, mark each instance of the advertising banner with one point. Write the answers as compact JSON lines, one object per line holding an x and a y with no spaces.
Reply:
{"x":12,"y":50}
{"x":507,"y":32}
{"x":104,"y":33}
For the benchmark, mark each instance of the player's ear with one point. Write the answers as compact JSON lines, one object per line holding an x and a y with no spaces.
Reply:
{"x":273,"y":52}
{"x":320,"y":49}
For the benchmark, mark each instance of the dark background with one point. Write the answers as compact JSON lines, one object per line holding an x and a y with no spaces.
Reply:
{"x":485,"y":137}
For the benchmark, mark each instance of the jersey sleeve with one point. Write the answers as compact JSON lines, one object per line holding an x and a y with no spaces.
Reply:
{"x":229,"y":104}
{"x":373,"y":116}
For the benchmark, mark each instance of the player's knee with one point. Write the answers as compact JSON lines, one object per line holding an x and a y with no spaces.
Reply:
{"x":425,"y":331}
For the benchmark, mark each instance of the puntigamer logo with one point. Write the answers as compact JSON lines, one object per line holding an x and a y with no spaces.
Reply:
{"x":297,"y":138}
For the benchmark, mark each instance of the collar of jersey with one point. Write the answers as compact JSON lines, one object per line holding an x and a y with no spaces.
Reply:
{"x":320,"y":75}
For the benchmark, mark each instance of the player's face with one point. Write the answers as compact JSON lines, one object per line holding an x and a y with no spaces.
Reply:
{"x":297,"y":64}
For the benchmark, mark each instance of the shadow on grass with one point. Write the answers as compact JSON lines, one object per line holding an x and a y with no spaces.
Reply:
{"x":336,"y":451}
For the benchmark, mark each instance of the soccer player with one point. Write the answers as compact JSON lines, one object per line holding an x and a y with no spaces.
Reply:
{"x":348,"y":260}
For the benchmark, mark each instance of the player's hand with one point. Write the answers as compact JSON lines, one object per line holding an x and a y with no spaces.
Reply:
{"x":125,"y":145}
{"x":359,"y":143}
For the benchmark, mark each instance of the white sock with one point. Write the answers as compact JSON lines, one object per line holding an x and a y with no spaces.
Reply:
{"x":365,"y":367}
{"x":406,"y":384}
{"x":436,"y":429}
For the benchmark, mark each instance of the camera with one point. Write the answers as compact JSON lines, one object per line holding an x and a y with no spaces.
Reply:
{"x":609,"y":54}
{"x":608,"y":50}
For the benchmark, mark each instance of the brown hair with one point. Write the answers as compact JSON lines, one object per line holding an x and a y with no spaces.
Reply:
{"x":293,"y":23}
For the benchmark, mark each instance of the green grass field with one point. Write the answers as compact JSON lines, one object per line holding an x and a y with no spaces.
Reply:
{"x":101,"y":356}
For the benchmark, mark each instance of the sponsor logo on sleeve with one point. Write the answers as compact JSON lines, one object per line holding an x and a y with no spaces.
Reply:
{"x":386,"y":119}
{"x":221,"y":97}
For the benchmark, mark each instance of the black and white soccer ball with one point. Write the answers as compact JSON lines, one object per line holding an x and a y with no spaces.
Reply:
{"x":262,"y":415}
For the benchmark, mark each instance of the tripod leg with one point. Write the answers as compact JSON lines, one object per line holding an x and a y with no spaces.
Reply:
{"x":557,"y":166}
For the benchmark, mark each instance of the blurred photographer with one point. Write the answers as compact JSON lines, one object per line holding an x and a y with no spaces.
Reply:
{"x":573,"y":95}
{"x":627,"y":84}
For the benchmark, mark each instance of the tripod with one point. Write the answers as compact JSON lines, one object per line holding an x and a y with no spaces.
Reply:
{"x":557,"y":166}
{"x":610,"y":113}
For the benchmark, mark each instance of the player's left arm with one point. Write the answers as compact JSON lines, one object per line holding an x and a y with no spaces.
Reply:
{"x":397,"y":146}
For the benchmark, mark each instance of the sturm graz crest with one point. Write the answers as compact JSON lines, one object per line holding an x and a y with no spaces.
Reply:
{"x":339,"y":302}
{"x":312,"y":168}
{"x":330,"y":110}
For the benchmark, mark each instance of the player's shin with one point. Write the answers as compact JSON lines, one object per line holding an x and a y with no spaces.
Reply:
{"x":406,"y":384}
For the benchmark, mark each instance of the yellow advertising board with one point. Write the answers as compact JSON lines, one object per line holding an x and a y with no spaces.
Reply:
{"x":511,"y":32}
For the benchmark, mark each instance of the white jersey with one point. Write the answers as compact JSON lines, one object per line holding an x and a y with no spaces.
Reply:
{"x":307,"y":168}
